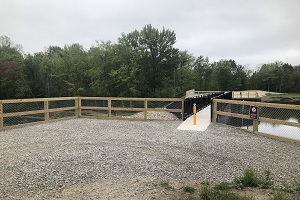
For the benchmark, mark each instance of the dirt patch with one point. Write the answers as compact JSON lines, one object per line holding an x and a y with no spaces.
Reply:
{"x":136,"y":189}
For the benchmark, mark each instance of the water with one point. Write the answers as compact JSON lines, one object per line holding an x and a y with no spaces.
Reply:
{"x":279,"y":130}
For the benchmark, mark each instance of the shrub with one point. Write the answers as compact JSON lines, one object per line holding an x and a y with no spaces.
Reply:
{"x":189,"y":189}
{"x":166,"y":185}
{"x":248,"y":179}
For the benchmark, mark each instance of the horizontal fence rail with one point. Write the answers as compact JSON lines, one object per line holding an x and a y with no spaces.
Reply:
{"x":279,"y":121}
{"x":245,"y":94}
{"x":18,"y":112}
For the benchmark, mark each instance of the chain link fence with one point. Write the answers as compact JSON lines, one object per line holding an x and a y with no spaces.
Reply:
{"x":278,"y":120}
{"x":28,"y":111}
{"x":131,"y":108}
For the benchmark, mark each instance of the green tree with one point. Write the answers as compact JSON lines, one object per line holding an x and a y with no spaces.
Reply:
{"x":157,"y":61}
{"x":12,"y":80}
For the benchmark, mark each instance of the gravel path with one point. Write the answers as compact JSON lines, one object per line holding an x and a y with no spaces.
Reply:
{"x":53,"y":158}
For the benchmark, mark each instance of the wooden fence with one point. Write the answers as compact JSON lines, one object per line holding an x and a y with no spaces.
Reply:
{"x":248,"y":94}
{"x":237,"y":113}
{"x":19,"y":112}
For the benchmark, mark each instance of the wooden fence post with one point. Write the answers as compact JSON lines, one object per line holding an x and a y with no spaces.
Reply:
{"x":256,"y":122}
{"x":145,"y":107}
{"x":46,"y":109}
{"x":1,"y":116}
{"x":214,"y":117}
{"x":109,"y":107}
{"x":78,"y":107}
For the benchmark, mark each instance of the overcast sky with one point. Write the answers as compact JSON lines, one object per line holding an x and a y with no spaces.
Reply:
{"x":251,"y":32}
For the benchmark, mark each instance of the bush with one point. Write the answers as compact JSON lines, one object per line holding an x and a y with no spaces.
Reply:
{"x":251,"y":179}
{"x":209,"y":193}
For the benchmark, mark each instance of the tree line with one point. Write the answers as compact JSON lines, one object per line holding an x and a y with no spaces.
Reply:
{"x":142,"y":63}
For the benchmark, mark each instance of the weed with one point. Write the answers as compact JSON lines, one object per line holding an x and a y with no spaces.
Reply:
{"x":166,"y":185}
{"x":223,"y":186}
{"x":249,"y":179}
{"x":265,"y":181}
{"x":189,"y":189}
{"x":278,"y":195}
{"x":296,"y":186}
{"x":209,"y":193}
{"x":287,"y":187}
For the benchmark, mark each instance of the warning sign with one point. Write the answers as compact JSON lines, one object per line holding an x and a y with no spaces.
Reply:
{"x":253,"y":112}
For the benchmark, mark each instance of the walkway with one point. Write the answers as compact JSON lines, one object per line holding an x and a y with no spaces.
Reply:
{"x":203,"y":121}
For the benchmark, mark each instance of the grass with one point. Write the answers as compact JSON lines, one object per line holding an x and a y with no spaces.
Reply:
{"x":279,"y":195}
{"x":250,"y":178}
{"x":166,"y":185}
{"x":212,"y":193}
{"x":189,"y":189}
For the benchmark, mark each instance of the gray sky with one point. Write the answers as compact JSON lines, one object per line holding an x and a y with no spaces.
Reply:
{"x":251,"y":32}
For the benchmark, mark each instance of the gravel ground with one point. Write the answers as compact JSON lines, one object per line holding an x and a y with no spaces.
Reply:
{"x":120,"y":159}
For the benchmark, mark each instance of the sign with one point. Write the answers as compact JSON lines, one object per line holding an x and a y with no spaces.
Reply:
{"x":253,"y":112}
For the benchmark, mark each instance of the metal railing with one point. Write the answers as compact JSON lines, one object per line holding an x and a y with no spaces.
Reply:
{"x":279,"y":121}
{"x":19,"y":112}
{"x":201,"y":101}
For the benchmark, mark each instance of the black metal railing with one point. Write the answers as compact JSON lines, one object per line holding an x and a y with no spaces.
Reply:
{"x":201,"y":101}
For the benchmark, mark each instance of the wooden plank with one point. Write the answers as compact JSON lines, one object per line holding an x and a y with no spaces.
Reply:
{"x":15,"y":114}
{"x":61,"y":109}
{"x":277,"y":137}
{"x":113,"y":118}
{"x":145,"y":109}
{"x":127,"y":109}
{"x":1,"y":116}
{"x":130,"y":99}
{"x":62,"y":98}
{"x":164,"y":99}
{"x":37,"y":100}
{"x":255,"y":125}
{"x":109,"y":107}
{"x":233,"y":114}
{"x":214,"y":104}
{"x":163,"y":109}
{"x":277,"y":121}
{"x":269,"y":105}
{"x":93,"y":108}
{"x":46,"y":110}
{"x":79,"y":107}
{"x":95,"y":98}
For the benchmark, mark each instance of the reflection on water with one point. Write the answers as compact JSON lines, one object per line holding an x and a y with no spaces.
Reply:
{"x":279,"y":130}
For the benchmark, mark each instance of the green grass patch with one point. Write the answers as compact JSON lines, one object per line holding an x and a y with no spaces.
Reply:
{"x":250,"y":178}
{"x":166,"y":185}
{"x":223,"y":186}
{"x":296,"y":186}
{"x":189,"y":189}
{"x":279,"y":195}
{"x":211,"y":193}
